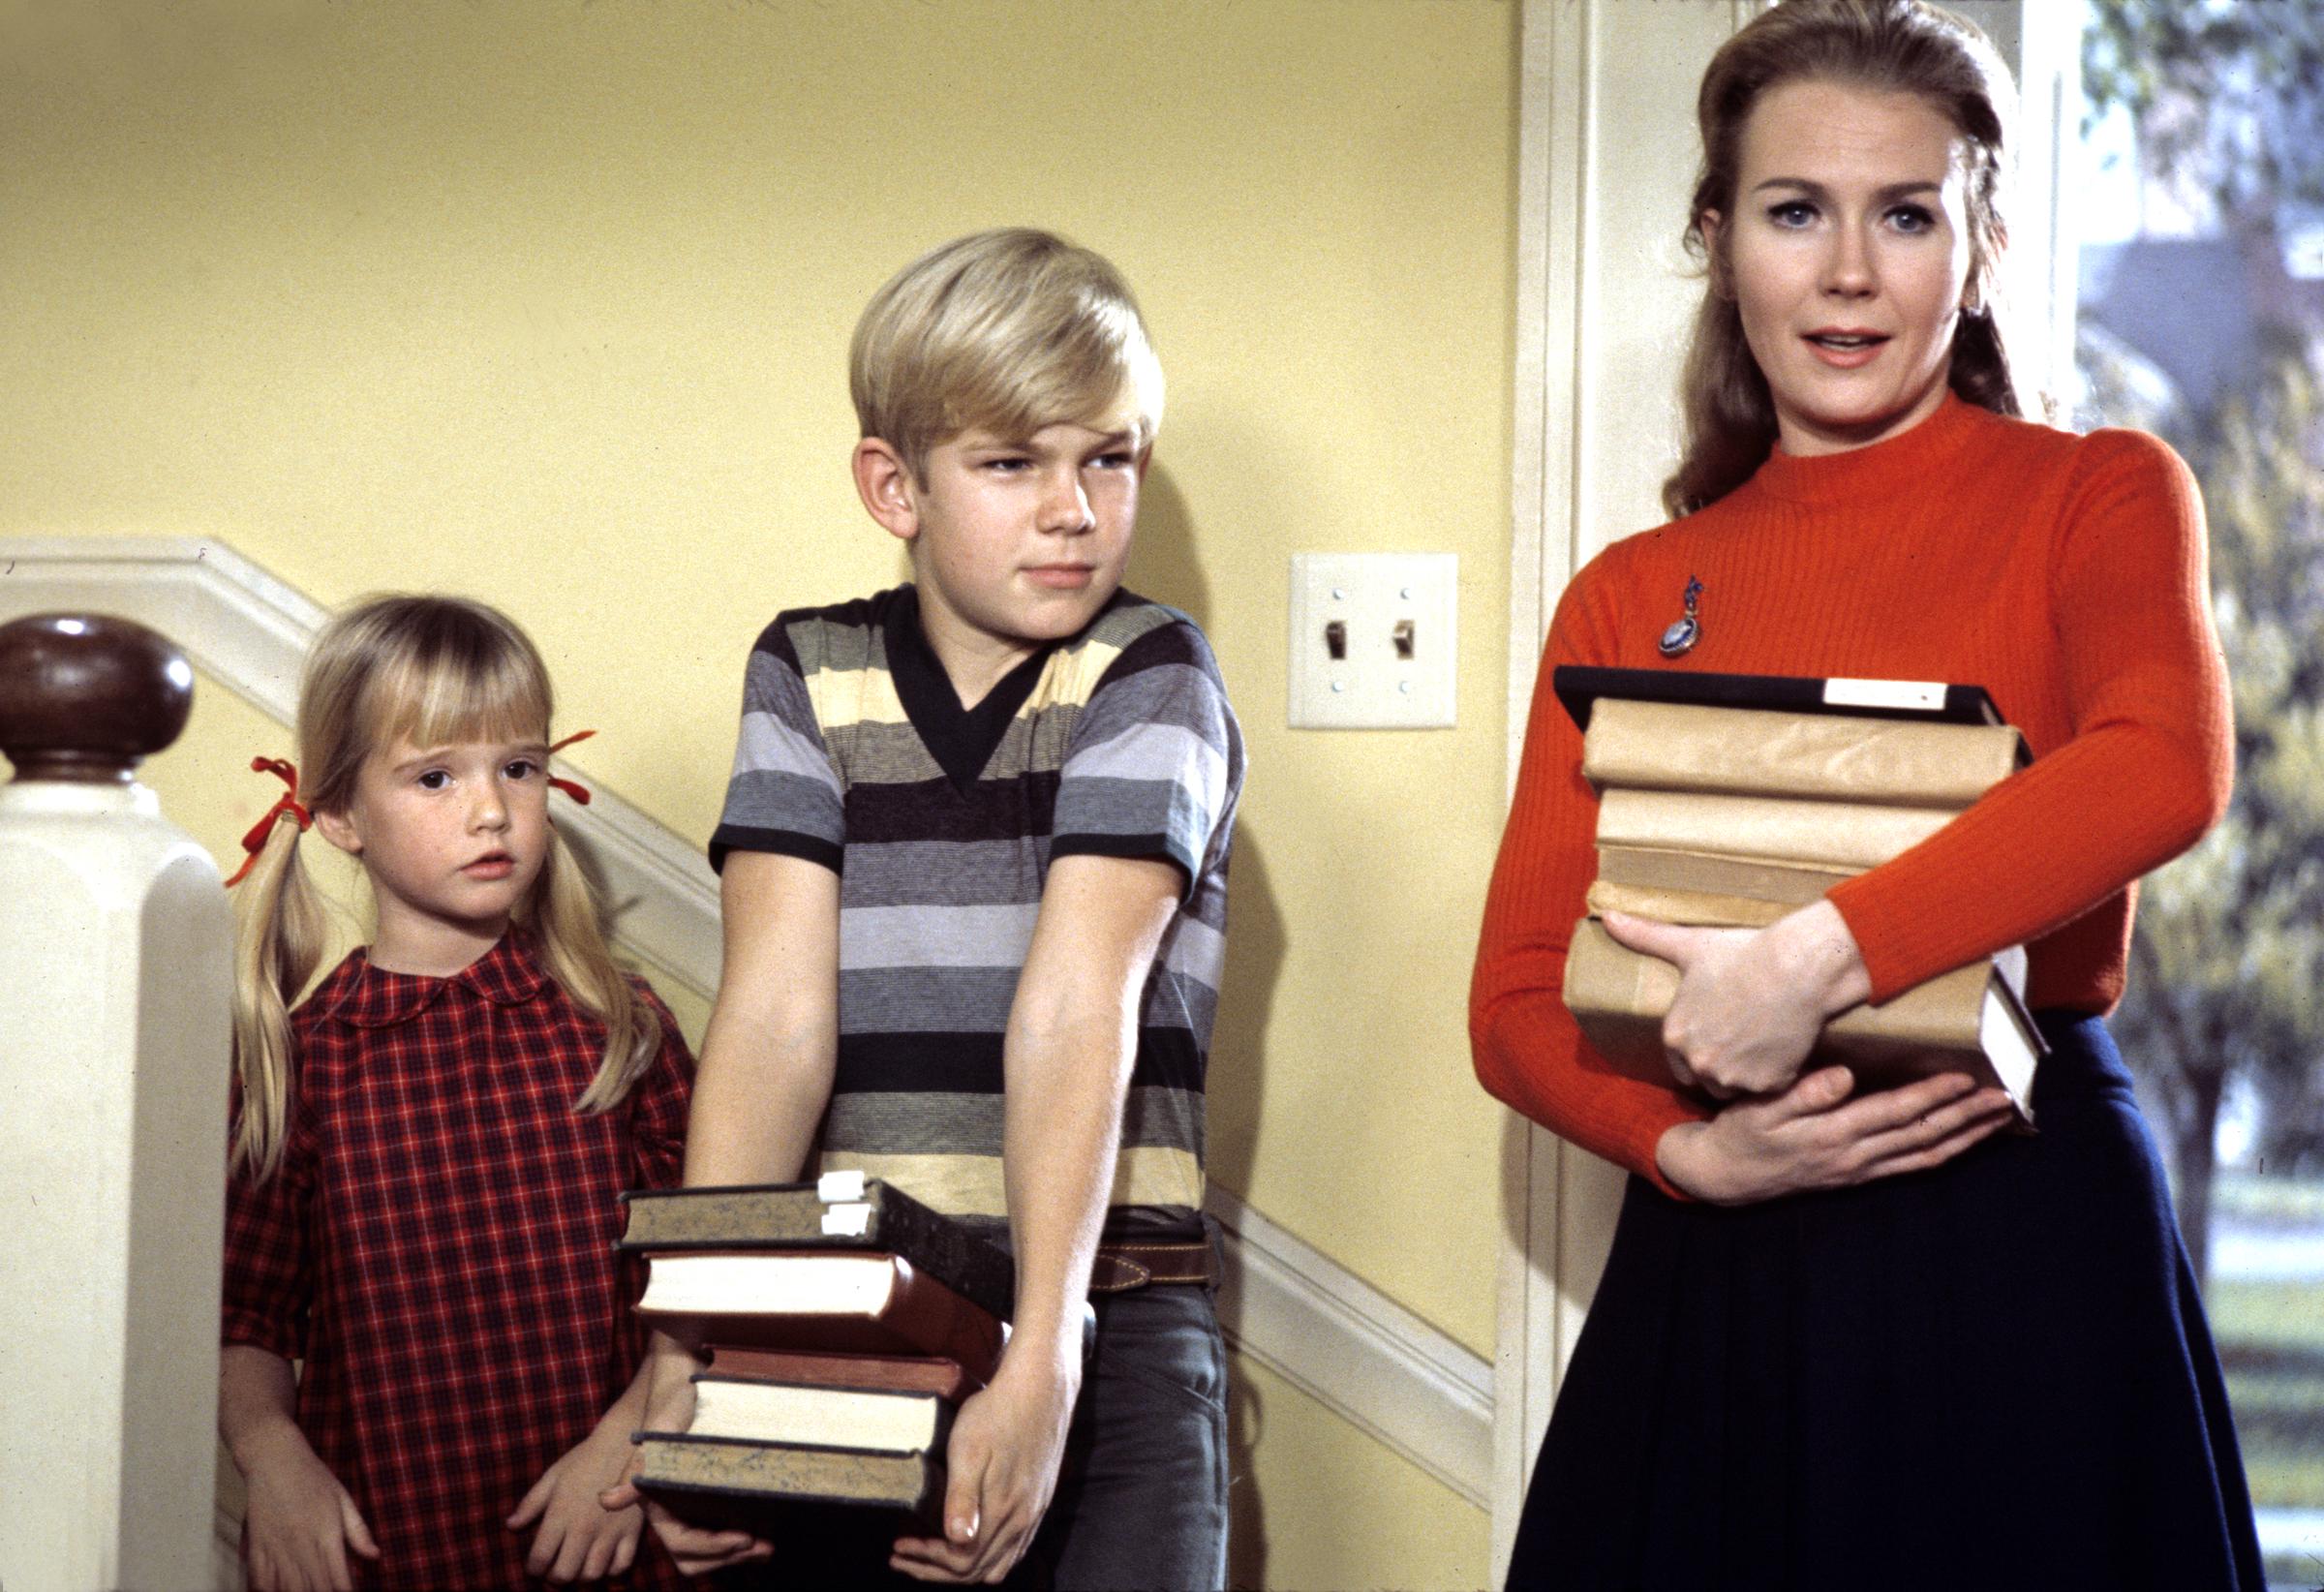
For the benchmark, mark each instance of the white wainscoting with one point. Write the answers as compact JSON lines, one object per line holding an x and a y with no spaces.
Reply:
{"x":1308,"y":1320}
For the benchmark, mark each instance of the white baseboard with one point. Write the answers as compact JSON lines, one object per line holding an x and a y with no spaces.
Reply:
{"x":1287,"y":1306}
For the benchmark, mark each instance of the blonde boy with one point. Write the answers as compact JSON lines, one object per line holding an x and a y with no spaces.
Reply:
{"x":974,"y":879}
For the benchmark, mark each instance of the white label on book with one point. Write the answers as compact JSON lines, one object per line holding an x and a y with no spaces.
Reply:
{"x":846,"y":1221}
{"x":833,"y":1186}
{"x":1921,"y":696}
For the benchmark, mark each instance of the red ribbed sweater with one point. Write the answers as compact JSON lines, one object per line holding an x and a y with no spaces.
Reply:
{"x":2064,"y":574}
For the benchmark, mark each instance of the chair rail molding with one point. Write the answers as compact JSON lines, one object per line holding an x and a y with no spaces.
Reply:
{"x":1408,"y":1386}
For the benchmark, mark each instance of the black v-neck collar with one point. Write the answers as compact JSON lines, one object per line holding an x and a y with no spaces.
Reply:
{"x":961,"y":740}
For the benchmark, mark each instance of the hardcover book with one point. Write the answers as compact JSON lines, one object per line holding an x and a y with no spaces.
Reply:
{"x":857,"y":1303}
{"x":895,"y":1373}
{"x":1580,"y":687}
{"x":832,"y":1417}
{"x":757,"y":1487}
{"x":840,"y":1210}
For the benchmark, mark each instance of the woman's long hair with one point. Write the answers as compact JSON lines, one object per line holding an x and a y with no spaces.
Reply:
{"x":433,"y":670}
{"x":1889,"y":46}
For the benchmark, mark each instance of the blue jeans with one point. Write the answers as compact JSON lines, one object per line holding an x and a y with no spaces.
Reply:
{"x":1141,"y":1504}
{"x":1142,"y":1497}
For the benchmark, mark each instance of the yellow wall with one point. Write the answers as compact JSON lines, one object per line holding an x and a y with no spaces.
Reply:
{"x":548,"y":304}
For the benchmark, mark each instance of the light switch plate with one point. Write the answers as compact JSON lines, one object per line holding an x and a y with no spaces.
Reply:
{"x":1395,"y":637}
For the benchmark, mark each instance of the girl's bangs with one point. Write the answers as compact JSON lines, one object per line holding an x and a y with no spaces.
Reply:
{"x":443,"y":700}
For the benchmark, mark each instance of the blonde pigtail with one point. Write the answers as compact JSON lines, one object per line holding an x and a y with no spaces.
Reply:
{"x":278,"y":941}
{"x":572,"y":939}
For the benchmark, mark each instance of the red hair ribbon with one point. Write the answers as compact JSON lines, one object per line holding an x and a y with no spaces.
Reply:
{"x":574,"y":788}
{"x":288,"y":803}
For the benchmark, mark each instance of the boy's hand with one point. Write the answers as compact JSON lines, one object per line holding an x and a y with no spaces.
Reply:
{"x":299,"y":1522}
{"x":1002,"y":1468}
{"x":579,"y":1539}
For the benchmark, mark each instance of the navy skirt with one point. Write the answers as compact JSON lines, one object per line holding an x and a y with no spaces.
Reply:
{"x":1991,"y":1375}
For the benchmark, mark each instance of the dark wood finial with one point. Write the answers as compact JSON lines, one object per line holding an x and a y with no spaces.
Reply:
{"x":86,"y":697}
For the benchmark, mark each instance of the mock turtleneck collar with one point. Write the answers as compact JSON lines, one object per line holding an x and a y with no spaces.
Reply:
{"x":1909,"y":461}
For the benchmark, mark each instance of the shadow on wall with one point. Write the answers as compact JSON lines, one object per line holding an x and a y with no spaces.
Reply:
{"x":1166,"y":567}
{"x":1163,"y":565}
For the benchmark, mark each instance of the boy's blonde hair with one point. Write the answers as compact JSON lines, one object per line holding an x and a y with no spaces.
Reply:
{"x":1005,"y":332}
{"x":432,"y":670}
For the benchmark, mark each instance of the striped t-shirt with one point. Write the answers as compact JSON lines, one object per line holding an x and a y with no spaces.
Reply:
{"x":941,"y":821}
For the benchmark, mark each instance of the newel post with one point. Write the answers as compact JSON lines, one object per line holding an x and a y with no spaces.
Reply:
{"x":115,"y":978}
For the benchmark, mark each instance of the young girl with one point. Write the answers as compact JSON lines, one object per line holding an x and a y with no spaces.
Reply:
{"x":425,"y":1154}
{"x":1868,"y":1340}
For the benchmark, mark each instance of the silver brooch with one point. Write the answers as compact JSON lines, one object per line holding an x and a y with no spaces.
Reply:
{"x":1680,"y":637}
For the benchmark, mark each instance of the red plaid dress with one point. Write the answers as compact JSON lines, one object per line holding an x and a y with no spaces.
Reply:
{"x":437,"y":1247}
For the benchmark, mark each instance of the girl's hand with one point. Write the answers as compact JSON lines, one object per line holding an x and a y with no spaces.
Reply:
{"x":1813,"y":1136}
{"x":299,"y":1522}
{"x":580,"y":1539}
{"x":670,"y":1407}
{"x":1751,"y":1001}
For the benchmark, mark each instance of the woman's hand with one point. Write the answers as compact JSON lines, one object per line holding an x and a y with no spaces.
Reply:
{"x":1814,"y":1136}
{"x":1751,"y":1001}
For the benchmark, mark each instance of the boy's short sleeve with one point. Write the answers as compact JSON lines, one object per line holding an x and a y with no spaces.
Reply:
{"x":784,"y":794}
{"x":1155,"y":758}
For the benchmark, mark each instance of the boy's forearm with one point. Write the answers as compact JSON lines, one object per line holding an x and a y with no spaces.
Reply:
{"x":1071,"y":1042}
{"x":755,"y":1105}
{"x":1060,"y":1139}
{"x":773,"y":1042}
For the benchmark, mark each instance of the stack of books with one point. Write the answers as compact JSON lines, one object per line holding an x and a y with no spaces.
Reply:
{"x":1731,"y":800}
{"x":845,"y":1321}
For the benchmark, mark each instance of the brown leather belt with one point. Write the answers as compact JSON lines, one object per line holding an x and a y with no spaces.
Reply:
{"x":1123,"y":1267}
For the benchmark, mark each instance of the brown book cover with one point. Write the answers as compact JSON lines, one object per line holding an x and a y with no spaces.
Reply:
{"x":1968,"y":1020}
{"x":726,"y":1482}
{"x":1706,"y":873}
{"x":851,"y":1302}
{"x":1770,"y":828}
{"x":842,"y":1210}
{"x":895,"y":1373}
{"x":1679,"y":746}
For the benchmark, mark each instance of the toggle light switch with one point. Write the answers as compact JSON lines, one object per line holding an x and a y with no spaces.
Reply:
{"x":1373,"y":640}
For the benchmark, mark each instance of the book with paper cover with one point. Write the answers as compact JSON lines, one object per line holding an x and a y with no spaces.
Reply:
{"x":1751,"y":752}
{"x":1833,"y":834}
{"x":1970,"y":1020}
